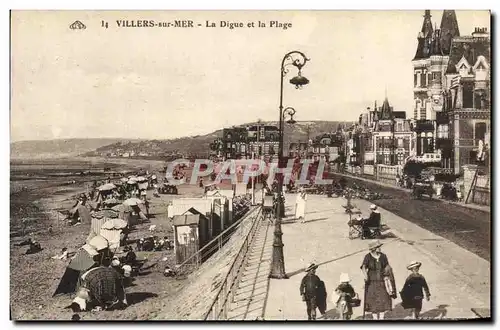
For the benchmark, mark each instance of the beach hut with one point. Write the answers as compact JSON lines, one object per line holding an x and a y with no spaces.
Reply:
{"x":191,"y":234}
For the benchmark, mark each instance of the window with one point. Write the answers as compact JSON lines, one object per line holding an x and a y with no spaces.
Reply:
{"x":481,"y":100}
{"x":479,"y":132}
{"x":423,"y":80}
{"x":415,"y":80}
{"x":468,"y":92}
{"x":400,"y":143}
{"x":442,"y":132}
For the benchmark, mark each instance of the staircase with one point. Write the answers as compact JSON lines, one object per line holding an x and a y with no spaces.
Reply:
{"x":251,"y":296}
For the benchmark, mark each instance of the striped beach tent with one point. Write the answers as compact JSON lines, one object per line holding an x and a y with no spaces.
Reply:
{"x":95,"y":226}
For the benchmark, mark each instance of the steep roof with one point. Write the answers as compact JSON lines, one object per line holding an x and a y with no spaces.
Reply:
{"x":449,"y":30}
{"x":470,"y":48}
{"x":424,"y":37}
{"x":385,"y":110}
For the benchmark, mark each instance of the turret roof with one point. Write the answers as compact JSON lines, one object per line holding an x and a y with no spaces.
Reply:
{"x":425,"y":37}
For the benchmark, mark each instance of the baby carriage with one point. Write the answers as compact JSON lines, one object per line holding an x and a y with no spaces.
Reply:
{"x":355,"y":225}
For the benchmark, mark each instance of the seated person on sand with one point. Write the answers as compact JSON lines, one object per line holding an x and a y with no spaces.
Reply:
{"x":34,"y":247}
{"x":130,"y":257}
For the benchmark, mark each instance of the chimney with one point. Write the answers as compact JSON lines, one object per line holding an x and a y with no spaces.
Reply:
{"x":480,"y":32}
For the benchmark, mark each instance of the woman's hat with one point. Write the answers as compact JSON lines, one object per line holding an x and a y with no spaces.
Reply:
{"x":373,"y":207}
{"x":413,"y":264}
{"x":344,"y":278}
{"x":311,"y":267}
{"x":374,"y":245}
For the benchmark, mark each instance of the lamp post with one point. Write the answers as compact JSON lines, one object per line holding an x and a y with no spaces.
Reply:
{"x":297,"y":59}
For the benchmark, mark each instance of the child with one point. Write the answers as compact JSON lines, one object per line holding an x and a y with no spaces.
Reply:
{"x":413,"y":290}
{"x":346,"y":294}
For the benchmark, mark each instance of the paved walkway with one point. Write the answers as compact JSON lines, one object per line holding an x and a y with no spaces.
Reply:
{"x":251,"y":295}
{"x":470,"y":206}
{"x":458,"y":279}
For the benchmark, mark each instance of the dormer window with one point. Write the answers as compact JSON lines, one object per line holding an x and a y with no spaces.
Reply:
{"x":463,"y":67}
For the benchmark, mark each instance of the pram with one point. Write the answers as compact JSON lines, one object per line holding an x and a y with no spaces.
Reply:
{"x":355,"y":225}
{"x":373,"y":229}
{"x":355,"y":228}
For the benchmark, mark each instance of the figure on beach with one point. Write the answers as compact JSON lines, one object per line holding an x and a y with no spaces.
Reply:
{"x":413,"y":290}
{"x":379,"y":279}
{"x":309,"y":288}
{"x":300,"y":205}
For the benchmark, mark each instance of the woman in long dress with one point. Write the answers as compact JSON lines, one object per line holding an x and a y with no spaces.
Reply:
{"x":376,"y":269}
{"x":300,"y":206}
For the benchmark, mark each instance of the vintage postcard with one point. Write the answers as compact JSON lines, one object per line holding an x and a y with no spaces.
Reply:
{"x":250,"y":165}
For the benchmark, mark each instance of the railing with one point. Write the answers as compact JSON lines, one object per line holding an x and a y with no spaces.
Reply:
{"x":193,"y":262}
{"x":219,"y":308}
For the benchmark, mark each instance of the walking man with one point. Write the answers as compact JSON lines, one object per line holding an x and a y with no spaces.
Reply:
{"x":309,"y":290}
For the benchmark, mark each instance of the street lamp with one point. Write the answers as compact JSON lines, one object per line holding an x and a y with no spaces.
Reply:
{"x":298,"y":60}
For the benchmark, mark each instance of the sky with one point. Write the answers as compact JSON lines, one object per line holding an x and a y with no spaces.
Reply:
{"x":160,"y":83}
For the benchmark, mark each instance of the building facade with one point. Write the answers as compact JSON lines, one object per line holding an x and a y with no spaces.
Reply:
{"x":259,"y":141}
{"x":392,"y":136}
{"x":429,"y":78}
{"x":452,"y":93}
{"x":468,"y":102}
{"x":234,"y":142}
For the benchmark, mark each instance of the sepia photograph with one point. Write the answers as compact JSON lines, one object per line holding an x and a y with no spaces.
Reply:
{"x":284,"y":165}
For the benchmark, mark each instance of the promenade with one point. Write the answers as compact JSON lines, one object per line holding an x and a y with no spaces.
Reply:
{"x":459,"y":280}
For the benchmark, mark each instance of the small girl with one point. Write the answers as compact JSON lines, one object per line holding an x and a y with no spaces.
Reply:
{"x":413,"y":290}
{"x":346,"y":294}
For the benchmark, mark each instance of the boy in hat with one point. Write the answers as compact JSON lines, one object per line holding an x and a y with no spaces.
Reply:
{"x":345,"y":293}
{"x":309,"y":288}
{"x":413,"y":290}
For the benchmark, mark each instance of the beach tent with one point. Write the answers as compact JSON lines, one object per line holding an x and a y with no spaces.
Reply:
{"x":99,"y":243}
{"x":127,"y":213}
{"x":82,"y":212}
{"x":107,"y":187}
{"x":112,"y":231}
{"x":79,"y":264}
{"x":95,"y":226}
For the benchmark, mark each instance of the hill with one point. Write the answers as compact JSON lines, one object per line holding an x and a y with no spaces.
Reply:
{"x":200,"y":144}
{"x":42,"y":149}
